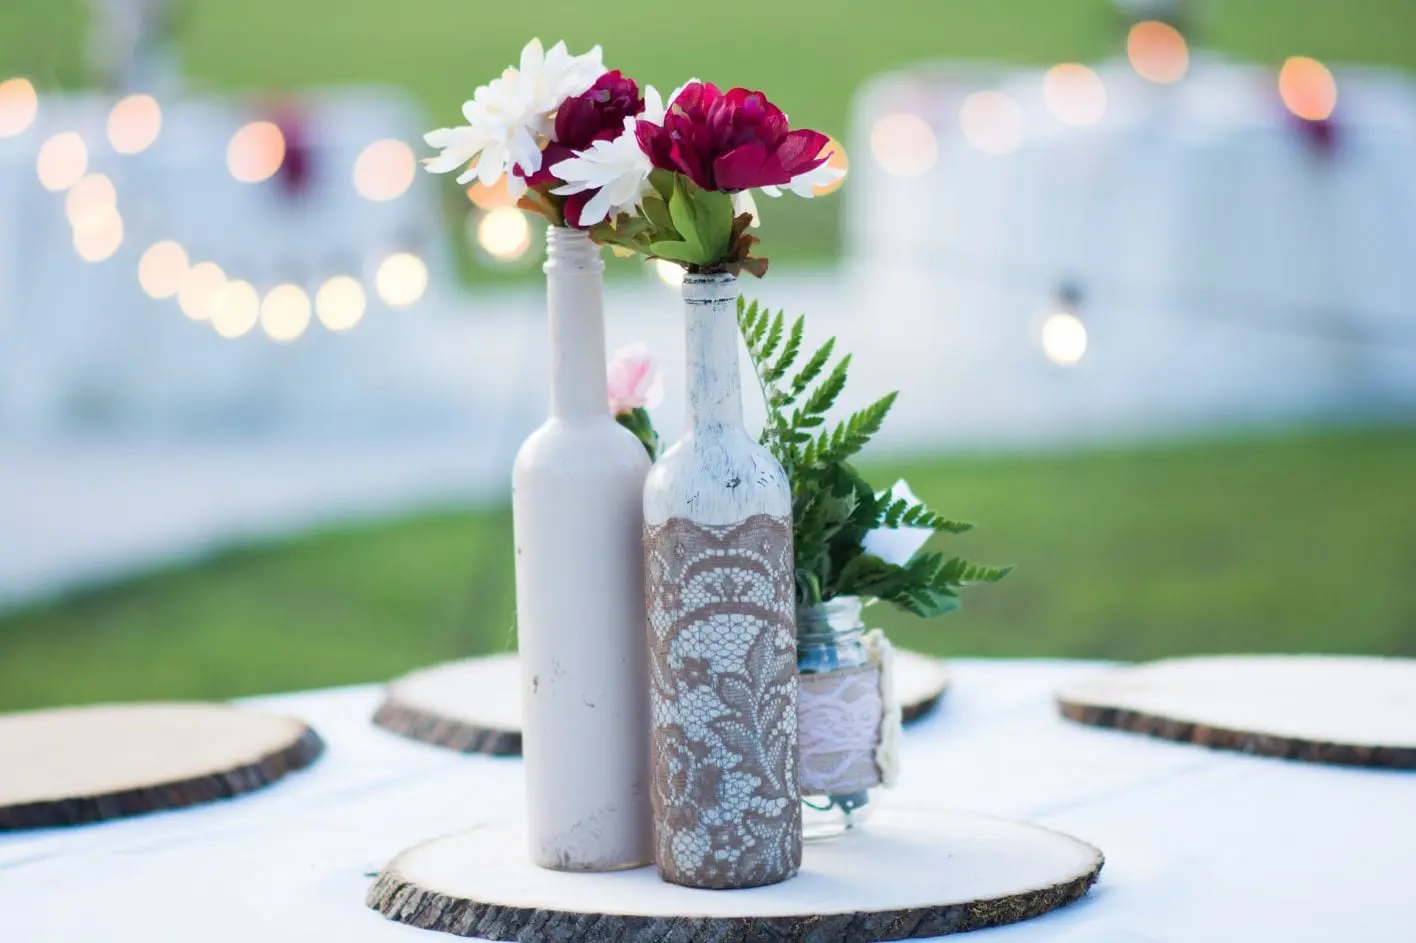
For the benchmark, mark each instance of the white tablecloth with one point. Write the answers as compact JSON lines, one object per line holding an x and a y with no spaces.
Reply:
{"x":1201,"y":847}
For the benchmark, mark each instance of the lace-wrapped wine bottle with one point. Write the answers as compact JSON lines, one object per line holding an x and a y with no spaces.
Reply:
{"x":848,"y":716}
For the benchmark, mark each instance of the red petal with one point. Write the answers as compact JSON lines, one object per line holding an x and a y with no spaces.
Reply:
{"x":746,"y":167}
{"x":800,"y":151}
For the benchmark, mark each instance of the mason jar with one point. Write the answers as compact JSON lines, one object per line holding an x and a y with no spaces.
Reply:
{"x":842,"y":716}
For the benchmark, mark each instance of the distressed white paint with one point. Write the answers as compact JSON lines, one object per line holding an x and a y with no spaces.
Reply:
{"x":576,"y":493}
{"x":717,"y":473}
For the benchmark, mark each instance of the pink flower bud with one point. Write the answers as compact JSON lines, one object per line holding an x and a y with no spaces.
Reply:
{"x":634,"y":381}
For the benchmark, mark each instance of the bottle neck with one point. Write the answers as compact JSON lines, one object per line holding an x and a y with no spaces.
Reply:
{"x":576,"y":306}
{"x":711,"y":330}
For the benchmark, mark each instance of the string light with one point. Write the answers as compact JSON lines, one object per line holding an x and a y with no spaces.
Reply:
{"x":384,"y":170}
{"x":255,"y":152}
{"x":904,"y":145}
{"x":1158,"y":52}
{"x":1307,"y":88}
{"x":100,"y":239}
{"x":235,"y":308}
{"x":62,"y":161}
{"x":340,"y":303}
{"x":162,"y":269}
{"x":992,"y":122}
{"x":670,"y":273}
{"x":285,"y":312}
{"x":199,"y":288}
{"x":19,"y":105}
{"x":504,"y":233}
{"x":401,"y":279}
{"x":1064,"y":336}
{"x":134,"y":124}
{"x":1074,"y":94}
{"x":90,"y":202}
{"x":490,"y":197}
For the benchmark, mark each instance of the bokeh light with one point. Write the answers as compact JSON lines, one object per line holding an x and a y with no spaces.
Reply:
{"x":199,"y":289}
{"x":285,"y":312}
{"x":401,"y":279}
{"x":491,"y":197}
{"x":1074,"y":94}
{"x":1158,"y":52}
{"x":255,"y":152}
{"x":62,"y":161}
{"x":134,"y":124}
{"x":1064,"y":338}
{"x":504,"y":233}
{"x":90,"y":202}
{"x":1307,"y":88}
{"x":992,"y":122}
{"x":162,"y":269}
{"x":235,"y":308}
{"x":840,"y":161}
{"x":18,"y":107}
{"x":340,"y":303}
{"x":99,"y":240}
{"x":384,"y":170}
{"x":670,"y":273}
{"x":904,"y":145}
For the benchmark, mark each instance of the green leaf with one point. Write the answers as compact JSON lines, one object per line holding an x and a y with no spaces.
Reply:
{"x":715,"y":214}
{"x":663,"y":182}
{"x":684,"y":214}
{"x":676,"y":252}
{"x":773,"y":340}
{"x":656,"y":211}
{"x":824,"y":396}
{"x":789,"y":353}
{"x":813,"y":367}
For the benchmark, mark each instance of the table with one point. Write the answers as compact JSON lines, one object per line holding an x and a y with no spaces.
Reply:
{"x":1200,"y":845}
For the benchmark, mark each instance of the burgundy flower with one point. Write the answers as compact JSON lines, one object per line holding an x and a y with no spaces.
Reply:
{"x":597,"y":114}
{"x":729,"y":141}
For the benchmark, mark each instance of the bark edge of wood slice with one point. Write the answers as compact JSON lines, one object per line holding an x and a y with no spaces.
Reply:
{"x":904,"y":875}
{"x":474,"y":705}
{"x":149,"y":757}
{"x":1342,"y":710}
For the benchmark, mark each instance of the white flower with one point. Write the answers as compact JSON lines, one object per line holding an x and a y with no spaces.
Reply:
{"x":805,"y":184}
{"x":511,"y":117}
{"x":617,"y":168}
{"x":897,"y":544}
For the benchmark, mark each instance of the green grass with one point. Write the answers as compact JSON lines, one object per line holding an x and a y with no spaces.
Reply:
{"x":1303,"y":543}
{"x":809,"y":56}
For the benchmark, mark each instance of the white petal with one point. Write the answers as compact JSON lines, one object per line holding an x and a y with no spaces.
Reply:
{"x":653,"y":107}
{"x":533,"y":56}
{"x":595,"y":209}
{"x":897,"y":545}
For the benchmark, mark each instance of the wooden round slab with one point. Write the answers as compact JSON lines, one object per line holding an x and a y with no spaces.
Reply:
{"x":1322,"y":709}
{"x":475,"y":705}
{"x":85,"y":764}
{"x":905,"y":875}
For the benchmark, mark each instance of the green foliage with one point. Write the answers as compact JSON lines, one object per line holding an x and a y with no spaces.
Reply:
{"x":833,"y":507}
{"x":684,"y":223}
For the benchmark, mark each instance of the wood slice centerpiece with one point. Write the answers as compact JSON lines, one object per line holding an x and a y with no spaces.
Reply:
{"x":76,"y":765}
{"x":911,"y":874}
{"x":1351,"y":711}
{"x":474,"y":705}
